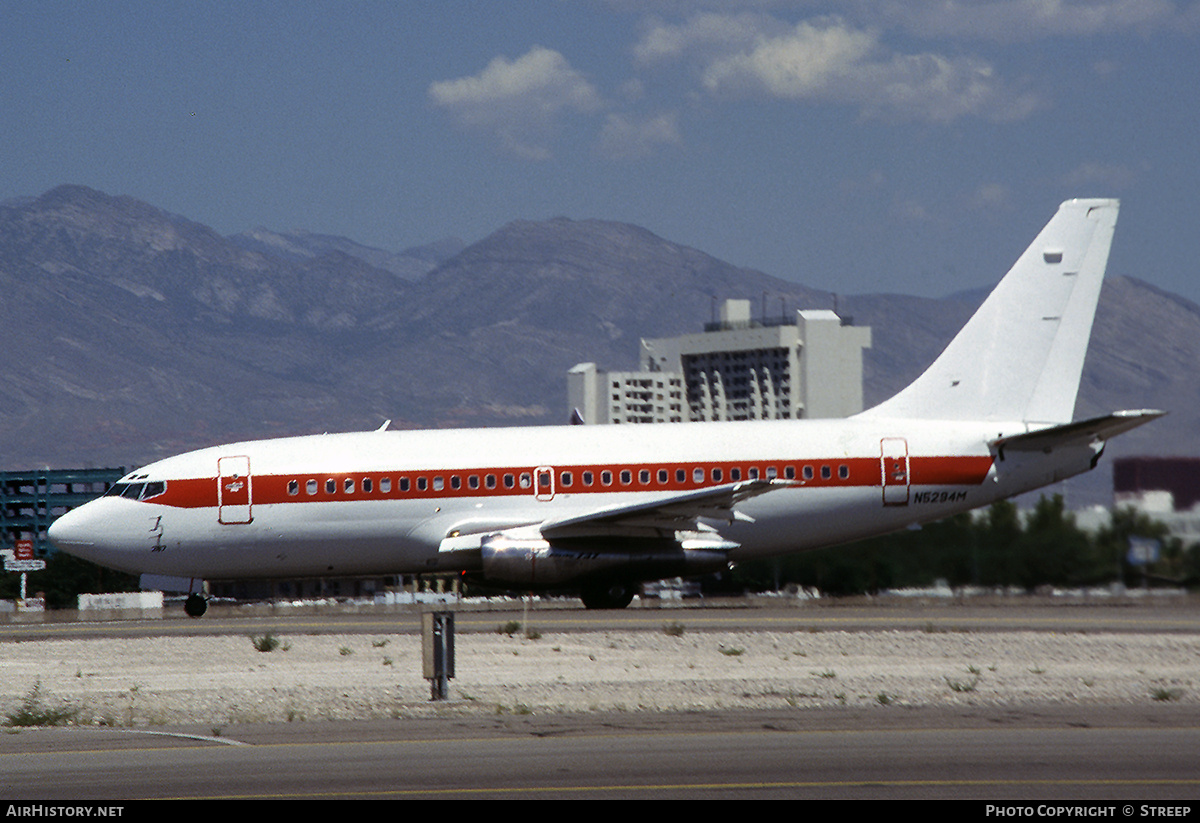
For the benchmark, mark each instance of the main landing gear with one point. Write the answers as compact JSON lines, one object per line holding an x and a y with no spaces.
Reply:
{"x":195,"y":605}
{"x":608,"y":594}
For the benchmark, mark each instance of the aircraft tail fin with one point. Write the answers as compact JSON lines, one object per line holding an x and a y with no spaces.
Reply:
{"x":1020,"y":356}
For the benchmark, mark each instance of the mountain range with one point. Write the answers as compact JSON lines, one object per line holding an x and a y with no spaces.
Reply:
{"x":131,"y":333}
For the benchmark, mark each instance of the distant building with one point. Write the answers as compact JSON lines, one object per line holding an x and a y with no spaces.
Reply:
{"x":31,"y":500}
{"x":1166,"y":488}
{"x":806,"y":365}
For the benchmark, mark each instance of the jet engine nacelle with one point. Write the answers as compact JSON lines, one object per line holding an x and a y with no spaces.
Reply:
{"x":536,"y":563}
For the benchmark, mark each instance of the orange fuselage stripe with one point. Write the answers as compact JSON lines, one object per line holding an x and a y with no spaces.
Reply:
{"x":201,"y":492}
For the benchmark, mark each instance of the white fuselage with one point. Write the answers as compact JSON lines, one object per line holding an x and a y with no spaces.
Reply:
{"x":404,"y":502}
{"x":606,"y":506}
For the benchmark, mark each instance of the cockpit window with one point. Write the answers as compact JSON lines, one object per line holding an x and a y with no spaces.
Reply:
{"x":137,"y":491}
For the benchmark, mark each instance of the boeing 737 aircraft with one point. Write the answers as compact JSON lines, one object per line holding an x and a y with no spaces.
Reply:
{"x":599,"y":509}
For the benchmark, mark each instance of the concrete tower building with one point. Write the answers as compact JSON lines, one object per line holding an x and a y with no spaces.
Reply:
{"x":806,"y":365}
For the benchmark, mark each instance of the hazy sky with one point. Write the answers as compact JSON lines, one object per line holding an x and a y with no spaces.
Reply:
{"x":853,"y":145}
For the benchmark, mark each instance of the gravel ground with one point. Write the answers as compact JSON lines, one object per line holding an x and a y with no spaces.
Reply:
{"x":223,"y":680}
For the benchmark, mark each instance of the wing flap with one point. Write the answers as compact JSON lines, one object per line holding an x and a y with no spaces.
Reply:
{"x":679,"y":512}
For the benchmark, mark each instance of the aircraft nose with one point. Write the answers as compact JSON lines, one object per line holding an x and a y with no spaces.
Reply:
{"x":72,"y":534}
{"x":94,"y":532}
{"x":113,"y":532}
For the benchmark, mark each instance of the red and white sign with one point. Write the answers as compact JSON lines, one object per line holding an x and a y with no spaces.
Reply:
{"x":23,"y":550}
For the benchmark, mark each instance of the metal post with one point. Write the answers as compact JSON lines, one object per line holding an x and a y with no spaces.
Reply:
{"x":437,"y":652}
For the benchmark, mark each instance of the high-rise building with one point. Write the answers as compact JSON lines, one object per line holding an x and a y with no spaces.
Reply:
{"x":806,"y":365}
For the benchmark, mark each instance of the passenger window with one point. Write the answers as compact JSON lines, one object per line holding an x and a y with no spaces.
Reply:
{"x":311,"y":487}
{"x":697,"y":475}
{"x":565,"y":478}
{"x":367,"y":485}
{"x":826,"y":473}
{"x":735,"y":475}
{"x":663,"y":476}
{"x":680,"y":476}
{"x":385,"y":485}
{"x":403,"y":484}
{"x":626,"y":477}
{"x":489,"y":480}
{"x":473,"y":481}
{"x":509,"y":481}
{"x":330,"y":486}
{"x":455,"y":482}
{"x":808,"y":473}
{"x":790,"y":472}
{"x":772,"y":472}
{"x":293,"y":488}
{"x":752,"y":472}
{"x":438,"y":484}
{"x":348,"y":485}
{"x":717,"y":475}
{"x":588,"y":478}
{"x":843,"y":471}
{"x":422,"y":484}
{"x":526,"y":480}
{"x":606,"y":478}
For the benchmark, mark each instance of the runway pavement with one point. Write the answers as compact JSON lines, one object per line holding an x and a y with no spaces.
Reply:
{"x":1124,"y":751}
{"x":1122,"y":756}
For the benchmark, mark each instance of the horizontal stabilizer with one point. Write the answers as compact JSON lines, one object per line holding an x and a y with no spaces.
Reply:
{"x":1085,"y":431}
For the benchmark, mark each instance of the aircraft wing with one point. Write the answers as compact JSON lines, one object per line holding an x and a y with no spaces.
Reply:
{"x":680,"y":512}
{"x":1084,"y":431}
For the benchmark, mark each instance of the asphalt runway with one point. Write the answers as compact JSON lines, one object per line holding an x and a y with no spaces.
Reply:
{"x":1130,"y":756}
{"x":1115,"y":754}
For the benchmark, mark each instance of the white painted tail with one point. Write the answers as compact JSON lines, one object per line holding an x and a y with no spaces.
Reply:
{"x":1020,"y":356}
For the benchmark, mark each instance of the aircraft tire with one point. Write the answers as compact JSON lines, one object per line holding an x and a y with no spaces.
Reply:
{"x":195,"y":605}
{"x":608,"y":594}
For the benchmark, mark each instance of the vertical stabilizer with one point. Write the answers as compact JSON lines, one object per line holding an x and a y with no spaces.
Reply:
{"x":1020,"y":356}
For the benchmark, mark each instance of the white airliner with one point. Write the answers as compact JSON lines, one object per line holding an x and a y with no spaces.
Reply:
{"x":598,"y":509}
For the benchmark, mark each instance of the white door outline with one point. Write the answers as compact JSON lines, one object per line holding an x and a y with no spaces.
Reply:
{"x":894,"y":470}
{"x":234,"y":497}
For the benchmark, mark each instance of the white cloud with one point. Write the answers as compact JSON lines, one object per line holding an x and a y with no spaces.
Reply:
{"x":1021,"y":20}
{"x":806,"y":62}
{"x":518,"y":100}
{"x":702,"y":33}
{"x":626,"y":138}
{"x":828,"y":60}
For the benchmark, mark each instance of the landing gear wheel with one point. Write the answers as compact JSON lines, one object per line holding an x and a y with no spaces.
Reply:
{"x":610,"y":594}
{"x":195,"y":605}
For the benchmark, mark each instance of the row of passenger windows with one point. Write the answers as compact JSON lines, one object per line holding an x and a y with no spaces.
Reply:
{"x":566,"y":479}
{"x":438,"y":483}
